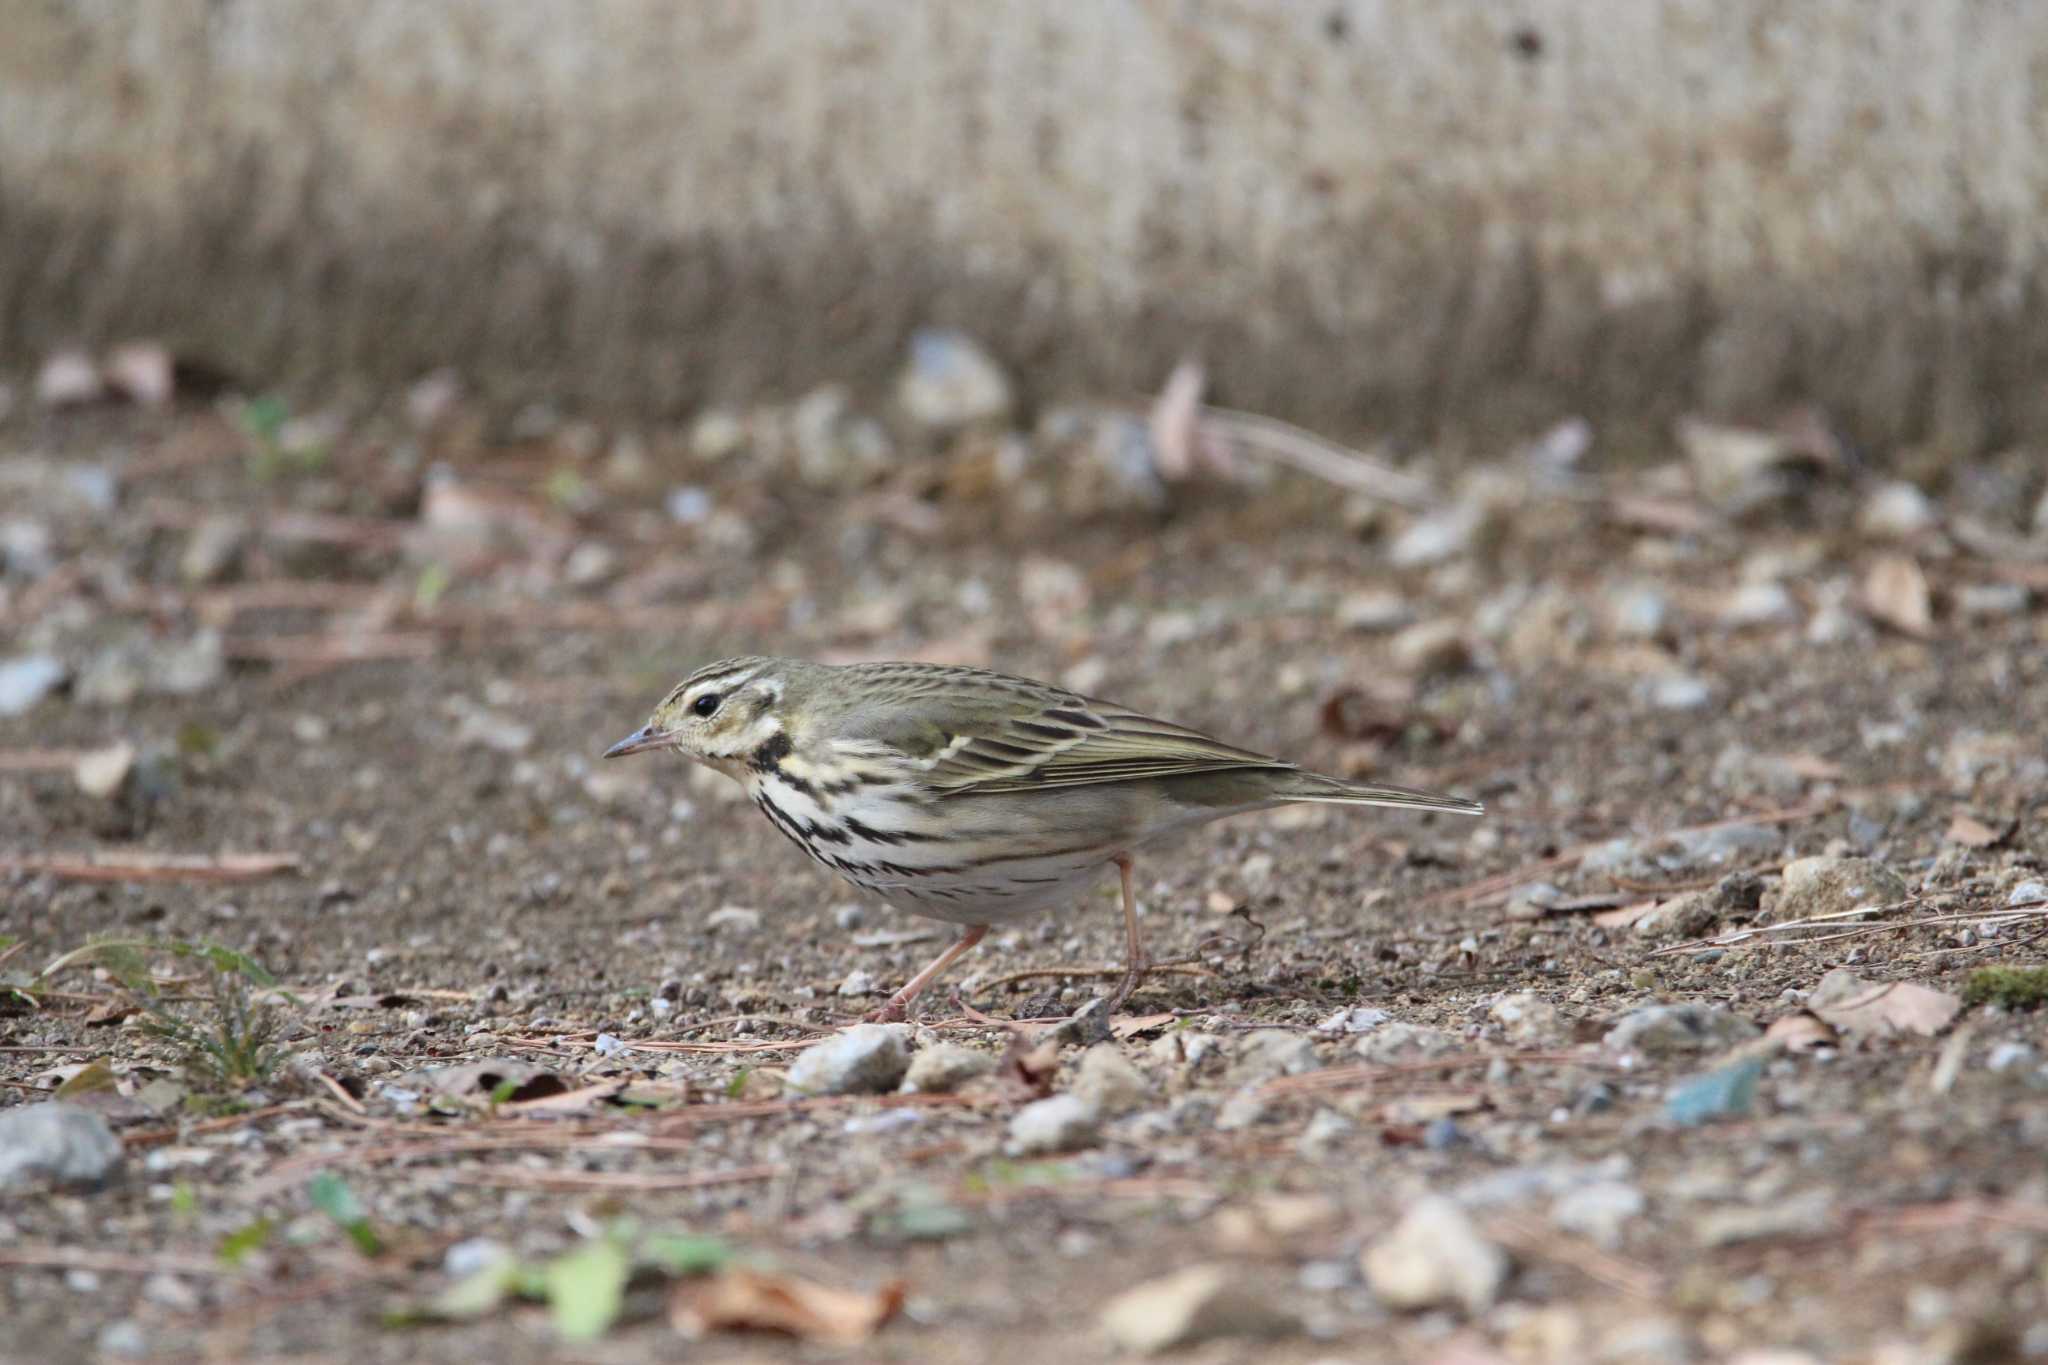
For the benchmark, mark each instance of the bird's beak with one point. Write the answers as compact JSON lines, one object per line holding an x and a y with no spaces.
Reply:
{"x":639,"y":742}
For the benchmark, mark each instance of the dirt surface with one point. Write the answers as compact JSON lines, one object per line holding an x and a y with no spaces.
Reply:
{"x":1433,"y":1009}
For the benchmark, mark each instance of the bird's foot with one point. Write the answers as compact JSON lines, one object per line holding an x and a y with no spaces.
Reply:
{"x":894,"y":1012}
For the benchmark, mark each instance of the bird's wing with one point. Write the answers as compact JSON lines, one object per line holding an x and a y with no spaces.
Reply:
{"x":993,"y":740}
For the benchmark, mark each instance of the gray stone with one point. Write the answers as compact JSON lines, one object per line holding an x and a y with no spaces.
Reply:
{"x":1992,"y":599}
{"x":1374,"y":609}
{"x":1439,"y":536}
{"x":1828,"y":885}
{"x":213,"y":549}
{"x":1430,"y":647}
{"x":1109,"y":1082}
{"x":1677,"y":692}
{"x":951,"y":382}
{"x":1669,"y":1030}
{"x":2027,"y":893}
{"x":1638,"y":612}
{"x":1270,"y":1052}
{"x":1399,"y":1041}
{"x":27,"y":680}
{"x":1435,"y":1257}
{"x":836,"y":446}
{"x":1062,"y":1123}
{"x":945,"y":1067}
{"x":1244,"y":1109}
{"x":1897,"y":510}
{"x":1689,"y":853}
{"x":123,"y":1337}
{"x":1086,"y":1026}
{"x":27,"y":549}
{"x":1759,"y":604}
{"x":103,"y":773}
{"x":1193,"y":1305}
{"x":1805,"y":1215}
{"x":1527,"y":1018}
{"x":591,"y":564}
{"x":58,"y":1142}
{"x":1599,"y":1212}
{"x":866,"y":1059}
{"x":1690,"y":914}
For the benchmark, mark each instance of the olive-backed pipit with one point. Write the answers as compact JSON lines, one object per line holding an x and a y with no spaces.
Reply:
{"x":968,"y":796}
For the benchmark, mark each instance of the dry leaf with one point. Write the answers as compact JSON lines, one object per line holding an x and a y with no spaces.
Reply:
{"x":1802,"y":1031}
{"x":1857,"y":1006}
{"x":1971,"y":832}
{"x":1131,"y":1025}
{"x":1175,"y":416}
{"x":1027,"y":1068}
{"x":1812,"y":767}
{"x":1421,"y":1110}
{"x":567,"y":1102}
{"x":1625,"y":916}
{"x":755,"y":1300}
{"x":1895,"y":593}
{"x":143,"y":371}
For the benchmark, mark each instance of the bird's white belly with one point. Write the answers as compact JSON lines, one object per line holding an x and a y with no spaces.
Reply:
{"x":961,"y":871}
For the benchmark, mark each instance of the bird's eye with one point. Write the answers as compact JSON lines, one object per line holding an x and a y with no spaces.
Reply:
{"x":706,"y":704}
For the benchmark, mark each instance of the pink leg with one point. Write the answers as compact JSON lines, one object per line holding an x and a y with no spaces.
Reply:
{"x":898,"y":1006}
{"x":1135,"y":962}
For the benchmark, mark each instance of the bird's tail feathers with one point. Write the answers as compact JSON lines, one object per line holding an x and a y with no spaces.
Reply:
{"x":1336,"y":791}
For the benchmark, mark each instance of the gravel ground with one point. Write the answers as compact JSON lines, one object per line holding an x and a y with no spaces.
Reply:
{"x":1482,"y":1091}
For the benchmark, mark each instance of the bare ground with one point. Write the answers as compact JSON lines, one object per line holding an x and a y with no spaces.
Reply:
{"x":470,"y":884}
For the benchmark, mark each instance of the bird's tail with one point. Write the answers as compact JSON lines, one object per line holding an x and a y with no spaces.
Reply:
{"x":1316,"y":787}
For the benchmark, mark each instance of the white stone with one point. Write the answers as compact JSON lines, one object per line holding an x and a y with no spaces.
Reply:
{"x":1062,"y":1123}
{"x":1435,"y":1257}
{"x":866,"y":1059}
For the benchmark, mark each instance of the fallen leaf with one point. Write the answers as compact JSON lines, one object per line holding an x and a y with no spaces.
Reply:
{"x":564,"y":1102}
{"x":1971,"y":832}
{"x":1026,"y":1069}
{"x":95,"y":1075}
{"x":501,"y":1080}
{"x":1810,"y":766}
{"x":586,"y":1289}
{"x":1622,"y":917}
{"x":143,"y":371}
{"x":1801,"y":1031}
{"x":110,"y":1011}
{"x":1131,"y":1025}
{"x":1857,"y":1006}
{"x":1174,"y":417}
{"x":756,"y":1300}
{"x":1895,"y":593}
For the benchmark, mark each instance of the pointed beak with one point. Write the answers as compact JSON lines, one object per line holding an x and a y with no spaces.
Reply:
{"x":640,"y":741}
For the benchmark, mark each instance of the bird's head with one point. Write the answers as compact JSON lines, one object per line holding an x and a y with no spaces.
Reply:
{"x":717,"y":716}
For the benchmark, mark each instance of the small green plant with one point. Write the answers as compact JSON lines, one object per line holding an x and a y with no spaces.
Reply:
{"x":224,"y":1035}
{"x":332,"y":1196}
{"x":265,"y":421}
{"x":2014,"y":988}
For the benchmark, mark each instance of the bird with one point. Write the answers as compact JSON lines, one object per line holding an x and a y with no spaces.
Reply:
{"x":968,"y":796}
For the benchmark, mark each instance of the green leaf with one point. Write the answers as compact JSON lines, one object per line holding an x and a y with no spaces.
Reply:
{"x":264,"y":417}
{"x":503,"y":1091}
{"x":238,"y":1244}
{"x":587,"y":1288}
{"x":184,"y":1199}
{"x":681,"y":1253}
{"x":332,"y":1196}
{"x":197,"y":739}
{"x":481,"y":1291}
{"x":434,"y":581}
{"x":96,"y":1076}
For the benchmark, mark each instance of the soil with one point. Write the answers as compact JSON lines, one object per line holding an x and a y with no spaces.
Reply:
{"x":470,"y":882}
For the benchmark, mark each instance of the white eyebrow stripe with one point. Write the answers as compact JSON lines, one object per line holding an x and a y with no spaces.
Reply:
{"x":696,"y":685}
